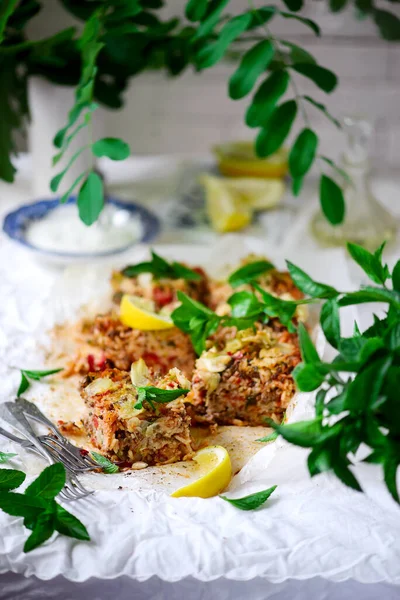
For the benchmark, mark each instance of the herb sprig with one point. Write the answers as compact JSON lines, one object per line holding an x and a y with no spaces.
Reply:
{"x":161,"y":269}
{"x":249,"y":272}
{"x":357,"y":403}
{"x":26,"y":375}
{"x":37,"y":505}
{"x":108,"y":467}
{"x":151,"y":395}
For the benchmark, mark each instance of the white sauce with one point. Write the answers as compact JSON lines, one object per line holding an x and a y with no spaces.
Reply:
{"x":61,"y":230}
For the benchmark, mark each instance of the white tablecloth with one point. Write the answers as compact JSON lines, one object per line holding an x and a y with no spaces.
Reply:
{"x":13,"y":586}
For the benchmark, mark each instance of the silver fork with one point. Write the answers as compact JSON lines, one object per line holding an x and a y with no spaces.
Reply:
{"x":73,"y":489}
{"x":83,"y":460}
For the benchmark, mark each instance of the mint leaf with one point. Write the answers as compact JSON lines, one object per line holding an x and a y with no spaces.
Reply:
{"x":370,"y":263}
{"x":67,"y":524}
{"x":10,"y":479}
{"x":154,"y":394}
{"x":49,"y":483}
{"x":371,"y":294}
{"x":252,"y":501}
{"x":107,"y":466}
{"x":5,"y":457}
{"x":36,"y":375}
{"x":245,"y":305}
{"x":330,"y":322}
{"x":24,"y":384}
{"x":161,"y":269}
{"x":396,"y":276}
{"x":307,"y":377}
{"x":42,"y":531}
{"x":308,"y":350}
{"x":20,"y":505}
{"x":113,"y":148}
{"x":269,"y":438}
{"x":212,"y":53}
{"x":249,"y":272}
{"x":196,"y":9}
{"x":308,"y":286}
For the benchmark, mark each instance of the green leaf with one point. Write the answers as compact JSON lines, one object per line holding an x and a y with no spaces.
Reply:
{"x":39,"y":374}
{"x":337,"y":404}
{"x":308,"y":22}
{"x":325,"y":79}
{"x":294,"y":5}
{"x":307,"y":377}
{"x":107,"y":466}
{"x":325,"y":111}
{"x":55,"y":182}
{"x":388,"y":25}
{"x":298,"y":54}
{"x":332,"y":200}
{"x":91,"y":199}
{"x":337,"y":5}
{"x":320,"y":403}
{"x":253,"y":63}
{"x":266,"y":97}
{"x":277,"y":128}
{"x":245,"y":304}
{"x":396,"y":276}
{"x":196,"y":9}
{"x":308,"y":286}
{"x":24,"y":385}
{"x":390,"y":466}
{"x":65,"y":197}
{"x":366,"y":386}
{"x":212,"y":53}
{"x":302,"y":154}
{"x":5,"y":457}
{"x":20,"y":505}
{"x":275,"y":307}
{"x":6,"y":10}
{"x":49,"y":483}
{"x":330,"y":322}
{"x":252,"y":501}
{"x":269,"y":438}
{"x":249,"y":272}
{"x":68,"y":525}
{"x":302,"y":433}
{"x":308,"y":350}
{"x":113,"y":148}
{"x":154,"y":394}
{"x":73,"y":116}
{"x":161,"y":269}
{"x":343,"y":472}
{"x":214,"y":10}
{"x":297,"y":184}
{"x":370,"y":263}
{"x":261,"y":16}
{"x":10,"y":479}
{"x":42,"y":531}
{"x":371,"y":294}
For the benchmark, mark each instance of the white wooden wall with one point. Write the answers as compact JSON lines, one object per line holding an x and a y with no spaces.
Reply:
{"x":192,"y":112}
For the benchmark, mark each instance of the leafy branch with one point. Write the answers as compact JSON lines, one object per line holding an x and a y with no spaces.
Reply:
{"x":274,"y":120}
{"x":91,"y":193}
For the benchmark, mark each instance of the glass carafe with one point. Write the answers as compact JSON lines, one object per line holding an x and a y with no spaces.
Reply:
{"x":366,"y":221}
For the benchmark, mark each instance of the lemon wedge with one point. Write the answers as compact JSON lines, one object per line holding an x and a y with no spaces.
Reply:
{"x":226,"y":208}
{"x":216,"y":472}
{"x":238,"y":159}
{"x":260,"y":194}
{"x":139,"y":313}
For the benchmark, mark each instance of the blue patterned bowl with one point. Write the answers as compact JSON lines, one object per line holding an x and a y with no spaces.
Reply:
{"x":16,"y":224}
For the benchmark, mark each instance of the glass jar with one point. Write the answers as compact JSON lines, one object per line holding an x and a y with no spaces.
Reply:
{"x":366,"y":221}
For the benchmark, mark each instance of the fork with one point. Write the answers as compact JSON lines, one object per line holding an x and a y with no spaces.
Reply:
{"x":73,"y":489}
{"x":81,"y":460}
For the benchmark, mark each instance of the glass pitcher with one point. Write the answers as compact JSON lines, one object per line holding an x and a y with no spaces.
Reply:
{"x":366,"y":221}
